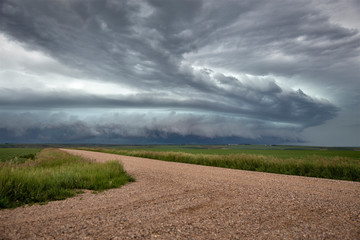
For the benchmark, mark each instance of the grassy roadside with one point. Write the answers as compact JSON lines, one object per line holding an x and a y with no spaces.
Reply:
{"x":55,"y":175}
{"x":279,"y":151}
{"x":335,"y":167}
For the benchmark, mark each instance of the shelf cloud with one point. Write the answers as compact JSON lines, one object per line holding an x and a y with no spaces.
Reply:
{"x":179,"y":71}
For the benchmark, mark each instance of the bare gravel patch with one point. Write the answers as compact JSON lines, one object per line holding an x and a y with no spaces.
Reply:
{"x":182,"y":201}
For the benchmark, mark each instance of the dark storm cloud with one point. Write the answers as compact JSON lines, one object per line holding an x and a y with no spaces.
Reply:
{"x":181,"y":55}
{"x":143,"y":43}
{"x":269,"y":103}
{"x":31,"y":127}
{"x":106,"y":39}
{"x":62,"y":127}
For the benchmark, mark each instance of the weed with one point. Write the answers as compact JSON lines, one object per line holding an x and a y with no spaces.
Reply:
{"x":55,"y":175}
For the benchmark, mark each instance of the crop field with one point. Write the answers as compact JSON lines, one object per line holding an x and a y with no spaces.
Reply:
{"x":332,"y":163}
{"x":273,"y":151}
{"x":53,"y":175}
{"x":17,"y":155}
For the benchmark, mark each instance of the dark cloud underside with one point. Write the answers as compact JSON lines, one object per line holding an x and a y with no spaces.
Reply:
{"x":61,"y":127}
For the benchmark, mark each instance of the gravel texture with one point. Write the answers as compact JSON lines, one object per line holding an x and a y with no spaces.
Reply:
{"x":182,"y":201}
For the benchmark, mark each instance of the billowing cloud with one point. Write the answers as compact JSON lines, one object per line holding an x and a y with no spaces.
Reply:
{"x":163,"y":126}
{"x":227,"y":95}
{"x":263,"y":69}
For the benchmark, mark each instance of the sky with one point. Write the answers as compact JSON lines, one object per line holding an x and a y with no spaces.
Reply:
{"x":189,"y":72}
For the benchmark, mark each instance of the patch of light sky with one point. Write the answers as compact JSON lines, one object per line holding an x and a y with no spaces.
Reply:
{"x":342,"y":13}
{"x":32,"y":69}
{"x":293,"y":83}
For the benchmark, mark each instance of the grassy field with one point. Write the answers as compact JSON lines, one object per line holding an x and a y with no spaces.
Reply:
{"x":282,"y":152}
{"x":55,"y":175}
{"x":18,"y":155}
{"x":333,"y":163}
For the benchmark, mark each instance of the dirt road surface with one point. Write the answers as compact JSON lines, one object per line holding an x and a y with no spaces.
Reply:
{"x":182,"y":201}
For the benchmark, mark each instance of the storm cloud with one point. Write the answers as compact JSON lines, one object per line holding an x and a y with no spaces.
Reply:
{"x":132,"y":127}
{"x":251,"y":70}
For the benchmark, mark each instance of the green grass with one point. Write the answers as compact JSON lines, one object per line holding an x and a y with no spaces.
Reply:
{"x":310,"y":163}
{"x":283,"y":152}
{"x":17,"y":155}
{"x":55,"y":175}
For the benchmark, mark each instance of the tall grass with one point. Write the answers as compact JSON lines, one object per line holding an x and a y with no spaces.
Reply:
{"x":55,"y":175}
{"x":335,"y":167}
{"x":276,"y":151}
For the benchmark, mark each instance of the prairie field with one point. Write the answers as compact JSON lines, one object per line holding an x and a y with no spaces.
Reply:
{"x":279,"y":151}
{"x":173,"y":200}
{"x":17,"y":155}
{"x":332,"y":163}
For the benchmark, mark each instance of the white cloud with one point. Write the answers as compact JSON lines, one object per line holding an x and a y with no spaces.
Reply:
{"x":24,"y":68}
{"x":18,"y":57}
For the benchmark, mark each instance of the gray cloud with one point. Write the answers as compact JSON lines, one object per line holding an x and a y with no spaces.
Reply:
{"x":239,"y":59}
{"x":120,"y":41}
{"x":63,"y":127}
{"x":229,"y":95}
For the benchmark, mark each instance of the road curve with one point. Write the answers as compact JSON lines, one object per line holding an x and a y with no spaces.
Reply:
{"x":182,"y":201}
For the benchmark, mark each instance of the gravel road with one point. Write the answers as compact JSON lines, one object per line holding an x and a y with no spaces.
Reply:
{"x":182,"y":201}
